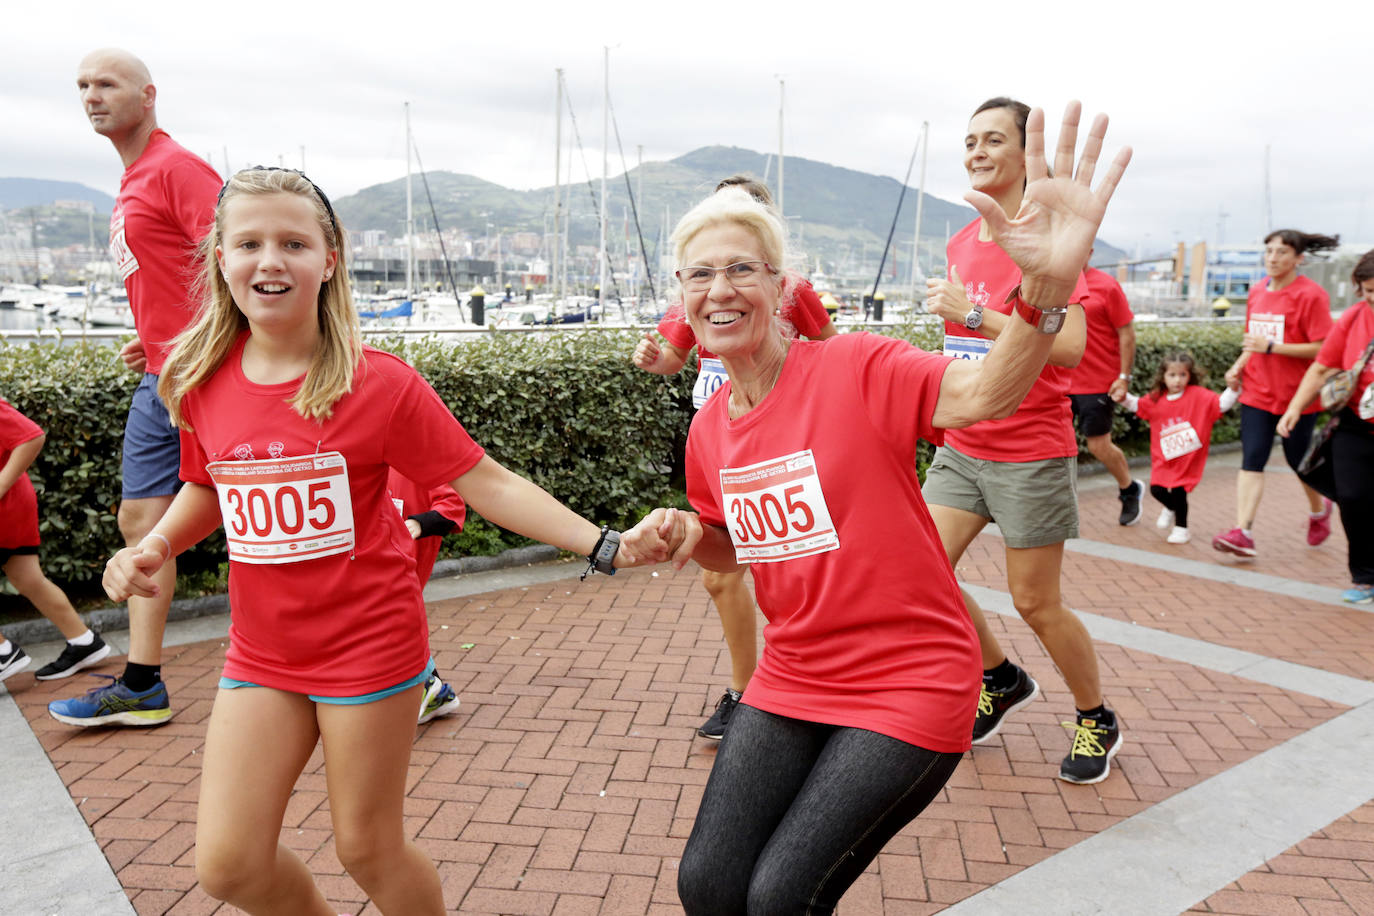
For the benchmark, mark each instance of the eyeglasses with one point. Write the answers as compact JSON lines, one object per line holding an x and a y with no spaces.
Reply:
{"x":333,"y":221}
{"x":741,"y":274}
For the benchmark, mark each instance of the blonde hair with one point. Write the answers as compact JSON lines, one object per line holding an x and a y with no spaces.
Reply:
{"x":199,"y":351}
{"x":733,"y":204}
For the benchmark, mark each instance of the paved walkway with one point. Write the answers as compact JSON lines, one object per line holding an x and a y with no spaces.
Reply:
{"x":567,"y":782}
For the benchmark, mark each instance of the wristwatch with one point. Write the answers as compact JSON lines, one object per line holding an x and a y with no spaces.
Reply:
{"x":602,"y":557}
{"x":974,"y":319}
{"x":1045,"y":320}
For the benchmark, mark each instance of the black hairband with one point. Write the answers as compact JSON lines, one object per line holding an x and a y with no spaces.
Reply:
{"x":333,"y":221}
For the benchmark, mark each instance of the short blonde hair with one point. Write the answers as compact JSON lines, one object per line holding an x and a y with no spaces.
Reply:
{"x":199,"y":351}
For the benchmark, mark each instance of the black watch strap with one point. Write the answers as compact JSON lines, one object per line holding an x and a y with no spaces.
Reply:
{"x":602,"y":557}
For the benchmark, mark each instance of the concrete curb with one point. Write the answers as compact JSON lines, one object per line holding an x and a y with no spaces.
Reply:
{"x":117,"y":617}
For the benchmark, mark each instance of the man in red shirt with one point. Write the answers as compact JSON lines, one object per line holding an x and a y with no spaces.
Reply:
{"x":1108,"y":354}
{"x":165,"y":206}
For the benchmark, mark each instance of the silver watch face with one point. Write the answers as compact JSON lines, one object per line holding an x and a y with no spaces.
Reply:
{"x":974,"y":319}
{"x":1052,"y":321}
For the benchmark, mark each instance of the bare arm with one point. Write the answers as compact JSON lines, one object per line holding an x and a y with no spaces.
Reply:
{"x":826,"y":332}
{"x":1066,"y":349}
{"x":1049,"y":240}
{"x":1125,"y":338}
{"x":1312,"y":381}
{"x":193,"y":514}
{"x":509,"y":500}
{"x":21,"y":456}
{"x":1256,"y":343}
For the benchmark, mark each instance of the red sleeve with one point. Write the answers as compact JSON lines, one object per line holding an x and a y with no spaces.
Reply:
{"x":191,"y":188}
{"x":1316,"y":318}
{"x":675,"y":329}
{"x":446,"y":501}
{"x":193,"y":458}
{"x":899,"y":385}
{"x":15,"y":428}
{"x":806,"y":313}
{"x":1118,"y":307}
{"x":424,"y":441}
{"x":1145,"y":407}
{"x":703,"y":481}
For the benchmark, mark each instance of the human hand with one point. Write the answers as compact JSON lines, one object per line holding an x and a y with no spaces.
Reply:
{"x":1288,"y":421}
{"x":1254,"y":343}
{"x":414,"y":528}
{"x":1233,"y":377}
{"x":128,"y":573}
{"x":647,"y":352}
{"x":1118,"y":390}
{"x":1052,"y":235}
{"x":662,"y":535}
{"x":135,"y":359}
{"x":947,"y":298}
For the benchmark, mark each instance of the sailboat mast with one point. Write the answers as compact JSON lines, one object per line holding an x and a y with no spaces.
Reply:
{"x":410,"y":217}
{"x":555,"y":277}
{"x":920,"y":206}
{"x":605,"y":163}
{"x":782,"y":95}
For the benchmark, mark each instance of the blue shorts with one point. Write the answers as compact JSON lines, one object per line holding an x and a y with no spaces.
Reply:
{"x":229,"y":683}
{"x":152,"y":446}
{"x":1257,"y":429}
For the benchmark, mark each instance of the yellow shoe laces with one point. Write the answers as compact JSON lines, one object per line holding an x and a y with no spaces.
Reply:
{"x":1085,"y":738}
{"x":984,"y":701}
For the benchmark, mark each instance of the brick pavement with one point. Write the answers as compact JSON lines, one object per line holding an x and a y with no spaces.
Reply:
{"x":568,"y":780}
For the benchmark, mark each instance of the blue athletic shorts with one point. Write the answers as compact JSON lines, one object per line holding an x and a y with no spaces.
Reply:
{"x":229,"y":683}
{"x":1257,"y":429}
{"x":152,"y":446}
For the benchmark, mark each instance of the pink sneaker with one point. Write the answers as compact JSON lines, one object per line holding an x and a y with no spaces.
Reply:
{"x":1319,"y":526}
{"x":1234,"y":541}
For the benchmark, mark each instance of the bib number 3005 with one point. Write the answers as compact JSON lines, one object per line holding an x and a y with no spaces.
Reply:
{"x":285,"y":510}
{"x":775,"y":510}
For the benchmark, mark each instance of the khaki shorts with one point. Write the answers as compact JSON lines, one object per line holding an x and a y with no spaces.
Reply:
{"x":1035,"y":503}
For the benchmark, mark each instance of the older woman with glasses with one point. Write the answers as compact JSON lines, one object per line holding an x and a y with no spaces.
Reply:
{"x":804,"y":465}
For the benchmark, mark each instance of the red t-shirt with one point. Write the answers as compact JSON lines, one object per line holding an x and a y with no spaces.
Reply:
{"x":342,"y":624}
{"x":1107,"y":310}
{"x":416,"y":499}
{"x":1344,"y":346}
{"x":19,"y":505}
{"x":872,"y":634}
{"x":805,"y":312}
{"x":1298,"y":313}
{"x":1180,"y":435}
{"x":1042,"y":426}
{"x":165,"y":207}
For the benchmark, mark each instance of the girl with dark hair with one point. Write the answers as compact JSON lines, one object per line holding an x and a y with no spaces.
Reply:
{"x":1181,"y":413}
{"x":1352,"y":442}
{"x":1286,"y":319}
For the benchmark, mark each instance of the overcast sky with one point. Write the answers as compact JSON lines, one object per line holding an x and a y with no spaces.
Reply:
{"x":1199,"y":89}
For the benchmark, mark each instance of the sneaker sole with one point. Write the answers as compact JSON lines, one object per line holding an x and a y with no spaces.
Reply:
{"x":16,"y":667}
{"x":1227,"y":547}
{"x":1035,"y":692}
{"x":94,"y":658}
{"x":143,"y":718}
{"x":447,"y":709}
{"x":1107,"y":771}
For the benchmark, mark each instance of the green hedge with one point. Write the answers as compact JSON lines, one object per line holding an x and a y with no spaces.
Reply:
{"x":567,"y":410}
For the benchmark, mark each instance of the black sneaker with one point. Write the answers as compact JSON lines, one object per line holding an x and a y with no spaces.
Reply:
{"x":1094,"y":746}
{"x":715,"y":726}
{"x":1130,"y":502}
{"x":17,"y":660}
{"x":73,"y":659}
{"x":993,"y":705}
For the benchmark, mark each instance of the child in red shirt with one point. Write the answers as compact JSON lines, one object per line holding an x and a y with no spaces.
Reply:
{"x":1181,"y":413}
{"x":20,"y":442}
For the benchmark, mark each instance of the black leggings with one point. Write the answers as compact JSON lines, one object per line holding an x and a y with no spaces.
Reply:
{"x":794,"y":811}
{"x":1175,"y":500}
{"x":1352,"y":460}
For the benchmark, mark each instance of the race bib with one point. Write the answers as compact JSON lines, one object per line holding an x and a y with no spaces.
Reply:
{"x":285,"y":510}
{"x":1270,"y":327}
{"x":974,"y":348}
{"x":120,"y":253}
{"x":710,"y":376}
{"x":1178,"y":440}
{"x":775,"y":510}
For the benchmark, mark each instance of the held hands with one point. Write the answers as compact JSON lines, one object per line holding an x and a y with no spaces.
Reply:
{"x":1117,"y":391}
{"x":135,"y":359}
{"x":946,"y":298}
{"x":664,"y":535}
{"x":128,"y":573}
{"x":1052,"y":235}
{"x":647,"y":353}
{"x":1233,"y":377}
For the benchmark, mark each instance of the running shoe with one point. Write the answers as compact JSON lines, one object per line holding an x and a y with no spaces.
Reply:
{"x":1094,"y":746}
{"x":73,"y":659}
{"x":1234,"y":541}
{"x":1319,"y":526}
{"x":440,"y":700}
{"x":1358,"y":594}
{"x":17,"y":660}
{"x":993,"y":705}
{"x":1165,"y":520}
{"x":1130,"y":502}
{"x":714,"y":727}
{"x":1179,"y":536}
{"x":114,"y":704}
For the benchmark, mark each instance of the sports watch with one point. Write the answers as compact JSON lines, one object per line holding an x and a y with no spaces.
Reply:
{"x":1045,"y":320}
{"x":602,"y":557}
{"x":974,"y":319}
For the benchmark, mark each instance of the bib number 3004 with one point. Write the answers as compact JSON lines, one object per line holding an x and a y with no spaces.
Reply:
{"x":775,"y":510}
{"x":285,"y":510}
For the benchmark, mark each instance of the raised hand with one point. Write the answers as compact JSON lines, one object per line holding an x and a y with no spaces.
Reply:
{"x":1052,"y":234}
{"x":647,"y":352}
{"x":947,"y":298}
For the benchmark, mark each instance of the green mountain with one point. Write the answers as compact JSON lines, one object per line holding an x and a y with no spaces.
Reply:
{"x":837,"y":215}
